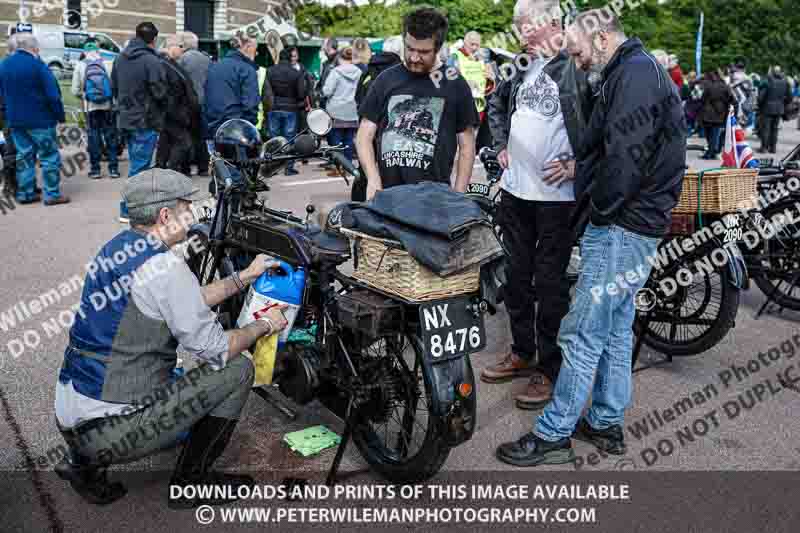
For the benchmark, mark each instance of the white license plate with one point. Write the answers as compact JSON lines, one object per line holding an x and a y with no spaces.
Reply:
{"x":478,"y":188}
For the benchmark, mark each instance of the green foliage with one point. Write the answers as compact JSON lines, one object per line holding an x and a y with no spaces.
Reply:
{"x":760,"y":31}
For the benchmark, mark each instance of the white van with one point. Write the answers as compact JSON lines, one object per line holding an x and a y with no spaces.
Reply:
{"x":61,"y":47}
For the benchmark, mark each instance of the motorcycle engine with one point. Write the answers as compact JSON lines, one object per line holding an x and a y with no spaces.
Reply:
{"x":297,"y":373}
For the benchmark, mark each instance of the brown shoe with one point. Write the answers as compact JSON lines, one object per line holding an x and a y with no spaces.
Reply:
{"x":57,"y":201}
{"x":538,"y":392}
{"x":512,"y":366}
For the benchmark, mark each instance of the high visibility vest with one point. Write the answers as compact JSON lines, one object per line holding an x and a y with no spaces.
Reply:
{"x":262,"y":76}
{"x":475,"y":74}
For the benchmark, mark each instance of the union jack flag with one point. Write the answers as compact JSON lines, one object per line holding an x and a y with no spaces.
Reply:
{"x":737,"y":152}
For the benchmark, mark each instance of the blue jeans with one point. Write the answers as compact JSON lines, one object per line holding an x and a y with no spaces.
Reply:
{"x":33,"y":144}
{"x":344,"y":136}
{"x":101,"y":129}
{"x":596,"y":334}
{"x":141,"y":147}
{"x":714,"y":139}
{"x":283,"y":123}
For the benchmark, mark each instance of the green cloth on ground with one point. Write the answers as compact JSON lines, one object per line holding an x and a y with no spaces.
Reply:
{"x":311,"y":441}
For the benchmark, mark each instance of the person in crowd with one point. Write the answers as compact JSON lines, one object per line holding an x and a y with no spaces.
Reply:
{"x":308,"y":78}
{"x":742,"y":87}
{"x":675,"y":72}
{"x":183,"y":112}
{"x":116,"y":378}
{"x":31,"y":108}
{"x":92,"y":84}
{"x":419,"y":123}
{"x":8,"y":151}
{"x":331,"y":50}
{"x":772,"y":102}
{"x":196,"y":63}
{"x":386,"y":58}
{"x":139,"y":84}
{"x":629,"y":195}
{"x":231,"y":89}
{"x":717,"y":99}
{"x":340,"y":93}
{"x":469,"y":62}
{"x":693,"y":105}
{"x":537,"y":196}
{"x":362,"y":54}
{"x":289,"y":97}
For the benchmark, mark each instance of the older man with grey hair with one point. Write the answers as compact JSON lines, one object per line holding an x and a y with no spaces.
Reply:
{"x":537,"y":116}
{"x":32,"y":108}
{"x":117,"y":396}
{"x":196,"y":63}
{"x":627,"y":183}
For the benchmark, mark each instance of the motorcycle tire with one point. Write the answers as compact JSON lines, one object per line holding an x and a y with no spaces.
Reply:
{"x":693,"y":345}
{"x":775,"y":287}
{"x":433,"y":451}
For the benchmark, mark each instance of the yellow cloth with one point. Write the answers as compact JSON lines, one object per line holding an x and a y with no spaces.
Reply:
{"x":262,"y":75}
{"x":474,"y":73}
{"x":264,"y":359}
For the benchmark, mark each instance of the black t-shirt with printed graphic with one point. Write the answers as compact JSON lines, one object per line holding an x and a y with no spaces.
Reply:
{"x":418,"y":123}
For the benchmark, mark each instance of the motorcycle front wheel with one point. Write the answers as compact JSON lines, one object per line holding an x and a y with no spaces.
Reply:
{"x":779,"y":257}
{"x":397,"y":433}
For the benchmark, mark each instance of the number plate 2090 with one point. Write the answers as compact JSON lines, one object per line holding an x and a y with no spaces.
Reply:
{"x":450,"y":329}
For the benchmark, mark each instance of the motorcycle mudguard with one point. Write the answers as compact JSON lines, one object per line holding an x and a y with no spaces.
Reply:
{"x":458,"y":413}
{"x":736,"y":266}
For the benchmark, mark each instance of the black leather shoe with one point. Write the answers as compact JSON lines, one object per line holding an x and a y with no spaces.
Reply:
{"x":34,"y":200}
{"x":610,"y":440}
{"x":207,"y":440}
{"x":90,"y":482}
{"x":531,"y":450}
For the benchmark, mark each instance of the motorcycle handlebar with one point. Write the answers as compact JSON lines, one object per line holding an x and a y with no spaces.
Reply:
{"x":222,"y":172}
{"x":343,"y":162}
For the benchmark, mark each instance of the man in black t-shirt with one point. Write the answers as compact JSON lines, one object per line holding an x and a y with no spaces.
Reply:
{"x":417,"y":113}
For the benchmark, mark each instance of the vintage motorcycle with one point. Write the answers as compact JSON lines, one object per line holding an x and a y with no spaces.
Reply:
{"x":374,"y":359}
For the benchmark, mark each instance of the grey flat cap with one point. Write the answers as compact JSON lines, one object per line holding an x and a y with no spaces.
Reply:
{"x":157,"y":185}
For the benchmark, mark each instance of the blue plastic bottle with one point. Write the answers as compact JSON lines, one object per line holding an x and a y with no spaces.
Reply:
{"x":284,"y":286}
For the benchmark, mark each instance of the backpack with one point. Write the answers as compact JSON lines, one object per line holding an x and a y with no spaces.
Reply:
{"x":97,"y":84}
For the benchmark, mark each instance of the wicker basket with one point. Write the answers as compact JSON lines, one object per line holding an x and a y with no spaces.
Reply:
{"x":719,"y":191}
{"x":385,"y":265}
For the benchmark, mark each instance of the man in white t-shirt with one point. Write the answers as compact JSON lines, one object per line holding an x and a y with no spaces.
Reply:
{"x":536,"y":117}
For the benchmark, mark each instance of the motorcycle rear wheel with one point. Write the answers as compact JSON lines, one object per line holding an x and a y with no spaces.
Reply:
{"x":408,"y":447}
{"x":696,"y":318}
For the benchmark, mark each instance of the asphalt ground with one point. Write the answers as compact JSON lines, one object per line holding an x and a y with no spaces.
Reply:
{"x":43,"y":247}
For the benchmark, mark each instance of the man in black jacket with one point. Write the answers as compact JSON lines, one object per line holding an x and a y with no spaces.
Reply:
{"x":139,"y":86}
{"x":536,"y":116}
{"x":289,"y":95}
{"x":630,"y":171}
{"x":772,"y":102}
{"x":183,"y":112}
